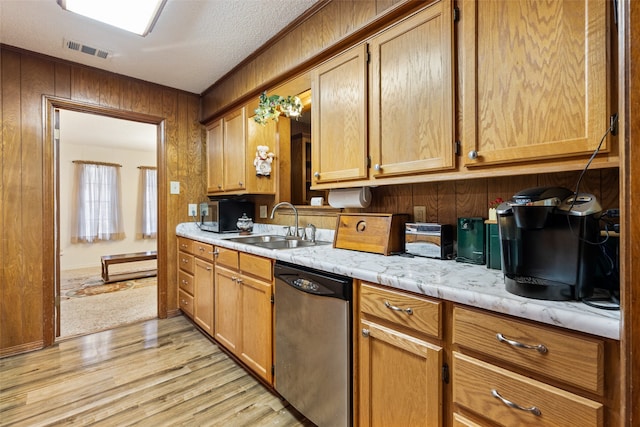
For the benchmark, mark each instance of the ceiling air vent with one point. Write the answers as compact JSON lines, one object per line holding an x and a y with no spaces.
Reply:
{"x":89,"y":50}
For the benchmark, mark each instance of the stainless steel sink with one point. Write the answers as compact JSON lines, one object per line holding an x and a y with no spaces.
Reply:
{"x":251,"y":240}
{"x":288,"y":244}
{"x":275,"y":242}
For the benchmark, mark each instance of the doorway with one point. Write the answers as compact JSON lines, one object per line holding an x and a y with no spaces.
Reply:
{"x":52,"y":204}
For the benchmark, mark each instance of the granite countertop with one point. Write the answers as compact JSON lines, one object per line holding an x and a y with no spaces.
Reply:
{"x":469,"y":284}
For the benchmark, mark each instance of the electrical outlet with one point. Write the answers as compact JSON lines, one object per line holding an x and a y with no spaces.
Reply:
{"x":193,"y":209}
{"x":263,"y":211}
{"x":419,"y":214}
{"x":204,"y":209}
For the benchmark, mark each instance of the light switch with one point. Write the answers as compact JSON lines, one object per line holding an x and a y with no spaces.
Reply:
{"x":175,"y":187}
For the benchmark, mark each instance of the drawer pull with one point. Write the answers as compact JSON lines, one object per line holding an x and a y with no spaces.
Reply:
{"x":534,"y":410}
{"x":540,"y":347}
{"x":365,"y":332}
{"x":394,"y":308}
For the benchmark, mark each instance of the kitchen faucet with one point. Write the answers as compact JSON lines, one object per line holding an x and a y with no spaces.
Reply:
{"x":295,"y":212}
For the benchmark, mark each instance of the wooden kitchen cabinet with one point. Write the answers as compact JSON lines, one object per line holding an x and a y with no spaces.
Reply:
{"x":535,"y":80}
{"x":244,"y":310}
{"x":399,"y":368}
{"x":558,"y":379}
{"x":339,"y":118}
{"x":412,"y":95}
{"x":195,"y":281}
{"x":226,"y":149}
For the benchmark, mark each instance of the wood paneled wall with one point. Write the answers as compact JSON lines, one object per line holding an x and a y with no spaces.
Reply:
{"x":26,"y":222}
{"x":449,"y":200}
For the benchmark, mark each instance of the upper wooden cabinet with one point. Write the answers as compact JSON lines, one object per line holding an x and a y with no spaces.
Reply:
{"x":535,"y":79}
{"x":231,"y":147}
{"x":410,"y":101}
{"x":412,"y":95}
{"x":339,"y":118}
{"x":226,"y":148}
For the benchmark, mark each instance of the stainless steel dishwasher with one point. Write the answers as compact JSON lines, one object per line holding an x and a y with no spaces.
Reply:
{"x":313,"y":343}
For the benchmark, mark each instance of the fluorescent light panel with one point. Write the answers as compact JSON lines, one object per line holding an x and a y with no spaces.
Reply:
{"x":136,"y":16}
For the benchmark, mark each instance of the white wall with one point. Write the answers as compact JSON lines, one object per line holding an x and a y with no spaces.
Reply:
{"x":81,"y":255}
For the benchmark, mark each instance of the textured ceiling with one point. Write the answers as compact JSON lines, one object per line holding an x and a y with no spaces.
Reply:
{"x":193,"y":44}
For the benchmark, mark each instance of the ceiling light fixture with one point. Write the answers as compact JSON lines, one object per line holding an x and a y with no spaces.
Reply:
{"x":138,"y":16}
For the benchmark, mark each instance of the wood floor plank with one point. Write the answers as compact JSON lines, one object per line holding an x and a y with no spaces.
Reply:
{"x":160,"y":372}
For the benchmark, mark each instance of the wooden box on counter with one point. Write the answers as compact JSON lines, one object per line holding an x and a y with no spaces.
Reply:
{"x":374,"y":232}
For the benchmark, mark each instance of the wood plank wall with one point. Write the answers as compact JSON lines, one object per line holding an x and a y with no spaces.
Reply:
{"x":27,"y":268}
{"x":447,"y":201}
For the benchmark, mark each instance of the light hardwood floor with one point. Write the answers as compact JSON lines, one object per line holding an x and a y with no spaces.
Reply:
{"x":161,"y":372}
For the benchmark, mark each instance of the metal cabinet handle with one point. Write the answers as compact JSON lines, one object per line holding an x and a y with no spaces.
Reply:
{"x":240,"y":184}
{"x":216,"y":253}
{"x":316,"y":175}
{"x":234,"y":278}
{"x":408,"y":310}
{"x":184,"y":260}
{"x":473,"y":154}
{"x":209,"y":269}
{"x":238,"y":280}
{"x":541,"y":348}
{"x":534,"y":410}
{"x":377,"y":167}
{"x":365,"y":332}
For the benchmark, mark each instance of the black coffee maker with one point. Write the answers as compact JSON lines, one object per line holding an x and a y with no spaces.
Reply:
{"x":549,"y":243}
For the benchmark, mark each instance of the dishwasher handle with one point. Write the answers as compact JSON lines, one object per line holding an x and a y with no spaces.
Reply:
{"x":306,"y":285}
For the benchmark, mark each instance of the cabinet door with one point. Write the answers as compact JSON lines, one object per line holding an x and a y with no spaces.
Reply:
{"x":339,"y":118}
{"x":227,"y":308}
{"x":256,"y":326}
{"x":203,"y":298}
{"x":412,"y":95}
{"x":234,"y":150}
{"x":535,"y":78}
{"x":276,"y":136}
{"x":215,"y":159}
{"x":400,"y":380}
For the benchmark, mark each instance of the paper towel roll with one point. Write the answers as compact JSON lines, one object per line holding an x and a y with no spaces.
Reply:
{"x":350,"y":198}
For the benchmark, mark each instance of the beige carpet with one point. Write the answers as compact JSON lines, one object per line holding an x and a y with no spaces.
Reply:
{"x":88,"y":305}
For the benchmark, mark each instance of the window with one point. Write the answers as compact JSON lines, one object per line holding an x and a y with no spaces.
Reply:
{"x":97,"y":214}
{"x":147,"y":225}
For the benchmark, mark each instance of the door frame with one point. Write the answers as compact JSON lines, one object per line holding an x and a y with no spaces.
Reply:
{"x":51,"y":210}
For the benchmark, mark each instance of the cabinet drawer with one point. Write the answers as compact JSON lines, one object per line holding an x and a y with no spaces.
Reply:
{"x":256,"y":266}
{"x":203,"y":250}
{"x":569,"y":358}
{"x":227,"y":257}
{"x":462,"y":421}
{"x":185,"y":281}
{"x":186,"y":302}
{"x":477,"y":384}
{"x":185,"y":245}
{"x":185,"y":262}
{"x":419,"y":314}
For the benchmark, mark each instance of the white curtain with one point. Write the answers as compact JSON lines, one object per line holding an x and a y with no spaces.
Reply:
{"x":147,"y":227}
{"x":97,"y":214}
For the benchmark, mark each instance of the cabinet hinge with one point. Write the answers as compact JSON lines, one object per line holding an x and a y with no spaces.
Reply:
{"x":273,"y":370}
{"x":456,"y":14}
{"x":273,"y":299}
{"x":368,"y":162}
{"x":456,"y":148}
{"x":368,"y":57}
{"x":445,"y":373}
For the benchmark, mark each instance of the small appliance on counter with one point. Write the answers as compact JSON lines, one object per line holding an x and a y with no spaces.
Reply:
{"x":549,"y":243}
{"x":221,"y":216}
{"x":429,"y":240}
{"x":471,"y":240}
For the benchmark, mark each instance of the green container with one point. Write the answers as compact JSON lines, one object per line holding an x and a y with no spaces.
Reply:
{"x":494,"y":256}
{"x":471,"y":244}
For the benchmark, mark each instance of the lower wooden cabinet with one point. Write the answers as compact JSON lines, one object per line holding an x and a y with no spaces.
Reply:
{"x":399,"y":379}
{"x":399,"y":374}
{"x":510,"y":399}
{"x":203,"y":301}
{"x":244,"y":311}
